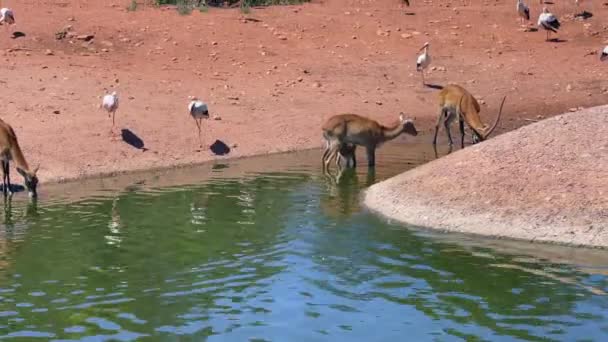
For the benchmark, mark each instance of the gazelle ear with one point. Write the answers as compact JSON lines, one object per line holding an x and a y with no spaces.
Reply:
{"x":36,"y":169}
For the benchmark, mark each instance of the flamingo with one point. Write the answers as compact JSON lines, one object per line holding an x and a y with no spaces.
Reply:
{"x":110,"y":105}
{"x":548,"y":21}
{"x":199,"y":111}
{"x":423,"y":60}
{"x":523,"y":11}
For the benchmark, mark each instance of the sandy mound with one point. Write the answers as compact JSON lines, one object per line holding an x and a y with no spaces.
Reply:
{"x":544,"y":182}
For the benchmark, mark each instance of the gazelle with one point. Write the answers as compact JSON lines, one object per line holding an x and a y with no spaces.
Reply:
{"x":457,"y":102}
{"x":343,"y":129}
{"x":10,"y":150}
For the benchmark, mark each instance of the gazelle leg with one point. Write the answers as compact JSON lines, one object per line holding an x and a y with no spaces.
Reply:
{"x":371,"y":156}
{"x":461,"y":126}
{"x":8,"y":178}
{"x":331,"y":154}
{"x":439,"y":119}
{"x":326,"y":152}
{"x":4,"y":183}
{"x":446,"y":124}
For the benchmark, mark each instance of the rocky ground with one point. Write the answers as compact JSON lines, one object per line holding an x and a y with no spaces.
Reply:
{"x":271,"y":77}
{"x":543,"y":182}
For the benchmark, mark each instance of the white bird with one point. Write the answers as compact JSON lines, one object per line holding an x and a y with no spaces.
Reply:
{"x":7,"y":16}
{"x":523,"y":11}
{"x":423,"y":60}
{"x":110,"y":104}
{"x":199,"y":111}
{"x":548,"y":21}
{"x":604,"y":55}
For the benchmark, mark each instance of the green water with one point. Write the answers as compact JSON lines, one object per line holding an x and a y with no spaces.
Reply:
{"x":277,"y":255}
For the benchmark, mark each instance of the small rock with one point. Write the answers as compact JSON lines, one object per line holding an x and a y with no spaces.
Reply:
{"x":379,"y":103}
{"x":71,"y":19}
{"x":56,"y":112}
{"x":217,"y":118}
{"x":300,"y":79}
{"x":282,"y":38}
{"x":406,"y":35}
{"x":48,"y":52}
{"x":213,"y":43}
{"x":569,"y":88}
{"x":316,"y":85}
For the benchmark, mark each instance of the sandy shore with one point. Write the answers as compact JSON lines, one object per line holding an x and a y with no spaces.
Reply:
{"x":547,"y":182}
{"x":272,"y":76}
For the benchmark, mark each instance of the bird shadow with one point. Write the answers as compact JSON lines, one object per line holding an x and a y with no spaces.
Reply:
{"x":548,"y":2}
{"x":409,"y":13}
{"x":14,"y":188}
{"x":557,"y":40}
{"x":132,"y":139}
{"x":584,"y":15}
{"x":219,"y":148}
{"x":434,"y":86}
{"x":17,"y":34}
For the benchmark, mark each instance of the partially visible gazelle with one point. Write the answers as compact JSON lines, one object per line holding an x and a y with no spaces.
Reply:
{"x":457,"y":102}
{"x":343,"y":130}
{"x":10,"y":151}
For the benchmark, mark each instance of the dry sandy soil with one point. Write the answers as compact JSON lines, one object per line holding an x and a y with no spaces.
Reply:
{"x":275,"y":79}
{"x":541,"y":187}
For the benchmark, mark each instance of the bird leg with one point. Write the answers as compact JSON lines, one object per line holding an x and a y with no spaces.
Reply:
{"x":113,"y":120}
{"x":198,"y":125}
{"x":422,"y":73}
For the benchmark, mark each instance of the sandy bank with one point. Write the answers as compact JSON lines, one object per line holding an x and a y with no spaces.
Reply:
{"x":543,"y":182}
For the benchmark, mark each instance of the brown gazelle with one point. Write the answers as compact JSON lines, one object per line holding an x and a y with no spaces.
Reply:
{"x":354,"y":129}
{"x":10,"y":151}
{"x":457,"y":102}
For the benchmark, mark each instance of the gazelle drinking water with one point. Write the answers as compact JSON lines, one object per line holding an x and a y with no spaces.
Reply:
{"x":455,"y":102}
{"x":353,"y":129}
{"x":10,"y":151}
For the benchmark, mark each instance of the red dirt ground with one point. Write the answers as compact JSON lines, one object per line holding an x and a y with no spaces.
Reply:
{"x":273,"y":81}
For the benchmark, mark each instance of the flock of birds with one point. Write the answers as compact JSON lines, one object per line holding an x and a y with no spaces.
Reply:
{"x":546,"y":21}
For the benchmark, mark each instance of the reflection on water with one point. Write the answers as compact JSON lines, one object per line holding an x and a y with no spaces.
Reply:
{"x":279,"y":255}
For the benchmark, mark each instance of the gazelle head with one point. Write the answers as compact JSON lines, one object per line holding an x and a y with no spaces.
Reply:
{"x":482,"y":133}
{"x":30,"y":180}
{"x":407,"y":125}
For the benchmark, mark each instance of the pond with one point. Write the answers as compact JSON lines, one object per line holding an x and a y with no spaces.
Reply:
{"x":268,"y":249}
